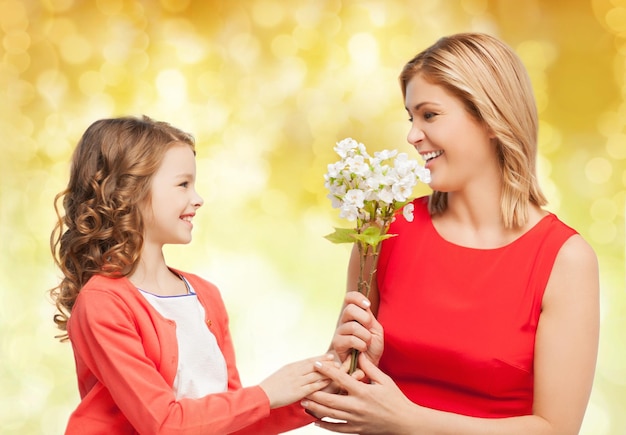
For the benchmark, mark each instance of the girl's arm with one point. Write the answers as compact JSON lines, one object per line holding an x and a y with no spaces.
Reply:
{"x":118,"y":369}
{"x":565,"y":356}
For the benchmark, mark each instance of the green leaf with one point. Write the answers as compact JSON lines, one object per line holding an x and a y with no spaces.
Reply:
{"x":342,"y":235}
{"x":372,"y":236}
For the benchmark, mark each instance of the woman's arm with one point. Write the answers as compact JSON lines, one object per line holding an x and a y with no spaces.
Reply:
{"x":565,"y":356}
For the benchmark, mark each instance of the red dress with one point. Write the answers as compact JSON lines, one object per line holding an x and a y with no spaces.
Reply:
{"x":460,"y":322}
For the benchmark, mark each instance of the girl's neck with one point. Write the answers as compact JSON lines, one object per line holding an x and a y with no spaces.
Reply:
{"x":153,"y":275}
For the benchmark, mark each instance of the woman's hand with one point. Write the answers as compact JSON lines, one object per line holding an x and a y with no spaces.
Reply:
{"x":376,"y":408}
{"x":358,"y":329}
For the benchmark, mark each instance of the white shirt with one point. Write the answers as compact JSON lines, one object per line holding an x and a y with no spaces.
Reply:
{"x":201,"y":365}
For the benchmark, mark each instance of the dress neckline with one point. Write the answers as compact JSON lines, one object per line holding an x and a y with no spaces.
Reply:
{"x":538,"y":225}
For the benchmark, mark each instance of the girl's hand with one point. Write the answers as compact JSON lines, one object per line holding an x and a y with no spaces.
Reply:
{"x":295,"y":381}
{"x":358,"y":329}
{"x":376,"y":408}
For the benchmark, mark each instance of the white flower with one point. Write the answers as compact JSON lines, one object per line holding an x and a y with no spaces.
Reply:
{"x":349,"y":211}
{"x":407,"y":212}
{"x":355,"y":197}
{"x":423,"y":174}
{"x":371,"y":189}
{"x":358,"y":165}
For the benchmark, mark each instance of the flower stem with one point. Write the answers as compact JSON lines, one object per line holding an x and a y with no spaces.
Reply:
{"x":364,"y":286}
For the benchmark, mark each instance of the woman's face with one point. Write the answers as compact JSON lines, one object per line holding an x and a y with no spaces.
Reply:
{"x":459,"y":151}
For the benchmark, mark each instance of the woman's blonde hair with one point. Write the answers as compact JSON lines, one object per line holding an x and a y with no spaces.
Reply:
{"x":491,"y":81}
{"x":101,"y":230}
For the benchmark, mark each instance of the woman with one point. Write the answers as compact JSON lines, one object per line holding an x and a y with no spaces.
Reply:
{"x":489,"y":304}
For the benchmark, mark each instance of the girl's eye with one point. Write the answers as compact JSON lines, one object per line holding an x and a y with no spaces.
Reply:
{"x":410,"y":119}
{"x":184,"y":184}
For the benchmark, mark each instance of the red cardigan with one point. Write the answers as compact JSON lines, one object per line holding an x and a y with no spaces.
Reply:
{"x":126,"y":357}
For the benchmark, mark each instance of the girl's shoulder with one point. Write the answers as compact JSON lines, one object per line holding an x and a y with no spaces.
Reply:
{"x":204,"y":288}
{"x":196,"y":281}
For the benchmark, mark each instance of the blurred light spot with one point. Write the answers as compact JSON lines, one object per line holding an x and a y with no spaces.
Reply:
{"x":541,"y":100}
{"x":172,"y":87}
{"x":363,"y":50}
{"x":75,"y":49}
{"x":19,"y":61}
{"x":616,"y":20}
{"x":112,"y":73}
{"x":308,"y":14}
{"x":57,"y":5}
{"x":549,"y":138}
{"x":91,"y":83}
{"x":57,"y":28}
{"x":602,"y":232}
{"x":274,"y":202}
{"x":284,"y":46}
{"x":245,"y":49}
{"x":544,"y":166}
{"x":175,"y":5}
{"x":110,"y":7}
{"x":14,"y":17}
{"x":215,"y":116}
{"x":377,"y":13}
{"x":616,"y":146}
{"x":289,"y":78}
{"x":116,"y":51}
{"x":611,"y":357}
{"x":537,"y":54}
{"x":267,"y":13}
{"x":475,"y":7}
{"x":52,"y":85}
{"x":604,"y":210}
{"x":610,"y":123}
{"x":305,"y":38}
{"x":16,"y":42}
{"x":190,"y":48}
{"x":21,"y":93}
{"x":598,"y":170}
{"x":100,"y":106}
{"x":138,"y":63}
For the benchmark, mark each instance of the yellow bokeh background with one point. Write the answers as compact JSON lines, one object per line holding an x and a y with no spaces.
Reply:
{"x":267,"y":87}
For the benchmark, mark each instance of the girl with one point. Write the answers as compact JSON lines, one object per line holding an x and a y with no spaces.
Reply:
{"x":151,"y":343}
{"x":489,"y":304}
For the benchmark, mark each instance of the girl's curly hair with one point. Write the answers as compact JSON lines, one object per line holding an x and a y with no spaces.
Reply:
{"x":100,"y":230}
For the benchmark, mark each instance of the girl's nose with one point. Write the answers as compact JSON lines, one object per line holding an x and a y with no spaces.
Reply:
{"x":197,"y":200}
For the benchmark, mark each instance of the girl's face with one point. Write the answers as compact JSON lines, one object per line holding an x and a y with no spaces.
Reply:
{"x":457,"y":149}
{"x":174,"y":200}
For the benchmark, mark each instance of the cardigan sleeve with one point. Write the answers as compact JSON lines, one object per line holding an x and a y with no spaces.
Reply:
{"x":116,"y":370}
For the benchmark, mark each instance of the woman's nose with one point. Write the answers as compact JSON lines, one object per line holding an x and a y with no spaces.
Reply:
{"x":415,"y":135}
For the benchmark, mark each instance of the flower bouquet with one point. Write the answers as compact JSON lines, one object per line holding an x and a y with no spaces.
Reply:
{"x":370,"y":190}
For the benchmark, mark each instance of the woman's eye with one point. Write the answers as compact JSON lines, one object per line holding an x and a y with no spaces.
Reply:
{"x":429,"y":115}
